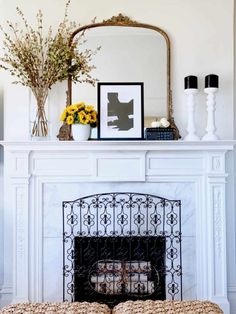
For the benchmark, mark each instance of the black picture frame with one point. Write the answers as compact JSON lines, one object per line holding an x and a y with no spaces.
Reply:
{"x":120,"y":111}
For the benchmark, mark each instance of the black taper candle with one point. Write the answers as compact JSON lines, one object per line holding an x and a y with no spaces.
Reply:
{"x":212,"y":80}
{"x":190,"y":82}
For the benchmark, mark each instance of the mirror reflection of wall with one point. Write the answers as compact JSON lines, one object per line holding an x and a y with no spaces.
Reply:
{"x":128,"y":54}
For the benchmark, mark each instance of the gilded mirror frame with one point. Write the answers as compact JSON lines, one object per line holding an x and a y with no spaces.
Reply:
{"x":124,"y":21}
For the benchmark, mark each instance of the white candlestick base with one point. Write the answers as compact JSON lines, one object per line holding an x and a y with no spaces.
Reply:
{"x":191,"y":136}
{"x":210,"y":137}
{"x":211,"y":107}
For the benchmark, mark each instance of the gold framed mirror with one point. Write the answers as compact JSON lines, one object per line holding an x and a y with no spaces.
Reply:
{"x":130,"y":52}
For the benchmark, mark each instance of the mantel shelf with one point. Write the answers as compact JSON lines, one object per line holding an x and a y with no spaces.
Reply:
{"x":94,"y":145}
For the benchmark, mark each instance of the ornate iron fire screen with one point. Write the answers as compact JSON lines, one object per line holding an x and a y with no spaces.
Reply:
{"x":122,"y":246}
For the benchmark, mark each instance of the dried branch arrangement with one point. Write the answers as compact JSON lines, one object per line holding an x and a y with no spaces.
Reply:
{"x":38,"y":61}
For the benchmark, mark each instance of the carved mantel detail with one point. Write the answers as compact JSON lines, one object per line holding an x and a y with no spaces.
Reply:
{"x":216,"y":163}
{"x":20,"y":194}
{"x":217,"y":199}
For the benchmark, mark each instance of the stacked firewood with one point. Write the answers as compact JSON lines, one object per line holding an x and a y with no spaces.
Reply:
{"x":118,"y":277}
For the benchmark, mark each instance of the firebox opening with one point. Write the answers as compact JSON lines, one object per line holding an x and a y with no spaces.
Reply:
{"x":115,"y":269}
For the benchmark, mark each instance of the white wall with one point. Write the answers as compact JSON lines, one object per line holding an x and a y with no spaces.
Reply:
{"x":231,"y":223}
{"x":195,"y":28}
{"x":1,"y":169}
{"x":201,"y":34}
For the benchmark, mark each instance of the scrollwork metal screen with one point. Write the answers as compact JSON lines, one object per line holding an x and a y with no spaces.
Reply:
{"x":121,"y":246}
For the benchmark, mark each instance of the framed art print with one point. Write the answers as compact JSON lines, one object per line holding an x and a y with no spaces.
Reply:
{"x":120,"y":111}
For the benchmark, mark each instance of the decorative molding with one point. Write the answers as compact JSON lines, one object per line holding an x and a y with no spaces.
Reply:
{"x":20,"y":244}
{"x":5,"y":295}
{"x":120,"y":19}
{"x":218,"y":223}
{"x":216,"y":163}
{"x":18,"y":185}
{"x":20,"y":195}
{"x":4,"y":289}
{"x":120,"y":167}
{"x":232,"y":288}
{"x":75,"y":163}
{"x":19,"y":164}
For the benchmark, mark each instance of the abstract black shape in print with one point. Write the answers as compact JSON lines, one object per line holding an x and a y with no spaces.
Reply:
{"x":121,"y":110}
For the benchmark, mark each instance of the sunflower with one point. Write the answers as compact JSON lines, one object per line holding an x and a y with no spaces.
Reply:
{"x":83,"y":118}
{"x":81,"y":105}
{"x":89,"y":108}
{"x":70,"y":120}
{"x":79,"y":113}
{"x":63,"y":115}
{"x":92,"y":117}
{"x":72,"y":109}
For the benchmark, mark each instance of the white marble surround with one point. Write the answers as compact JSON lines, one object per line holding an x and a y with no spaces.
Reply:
{"x":40,"y":175}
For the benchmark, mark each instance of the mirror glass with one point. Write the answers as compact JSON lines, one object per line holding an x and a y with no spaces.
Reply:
{"x":128,"y":54}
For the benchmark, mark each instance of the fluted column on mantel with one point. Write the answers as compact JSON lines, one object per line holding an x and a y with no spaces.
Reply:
{"x":216,"y":218}
{"x":17,"y":203}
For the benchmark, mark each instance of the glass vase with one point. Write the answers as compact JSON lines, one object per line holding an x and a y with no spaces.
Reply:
{"x":40,"y":124}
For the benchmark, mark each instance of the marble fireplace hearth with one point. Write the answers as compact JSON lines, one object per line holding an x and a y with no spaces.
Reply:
{"x":38,"y":176}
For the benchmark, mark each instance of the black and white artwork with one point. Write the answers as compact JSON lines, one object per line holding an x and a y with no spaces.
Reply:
{"x":120,"y":110}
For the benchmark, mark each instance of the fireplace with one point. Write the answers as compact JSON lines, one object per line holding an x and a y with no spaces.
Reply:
{"x":39,"y":176}
{"x":122,"y":246}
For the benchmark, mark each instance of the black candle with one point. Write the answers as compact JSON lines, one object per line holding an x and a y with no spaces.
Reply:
{"x":190,"y":82}
{"x":212,"y":80}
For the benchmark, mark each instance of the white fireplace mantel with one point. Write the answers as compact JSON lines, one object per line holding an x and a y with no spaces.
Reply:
{"x":138,"y":145}
{"x":29,"y":165}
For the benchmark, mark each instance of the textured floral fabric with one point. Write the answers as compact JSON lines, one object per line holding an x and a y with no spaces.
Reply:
{"x":129,"y":307}
{"x":167,"y":307}
{"x":61,"y":308}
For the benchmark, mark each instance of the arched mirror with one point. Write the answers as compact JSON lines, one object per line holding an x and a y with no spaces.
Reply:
{"x":130,"y":52}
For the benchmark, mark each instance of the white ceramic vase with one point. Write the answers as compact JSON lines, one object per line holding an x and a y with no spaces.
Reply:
{"x":81,"y":132}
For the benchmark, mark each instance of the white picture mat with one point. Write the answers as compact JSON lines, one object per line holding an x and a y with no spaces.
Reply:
{"x":126,"y":93}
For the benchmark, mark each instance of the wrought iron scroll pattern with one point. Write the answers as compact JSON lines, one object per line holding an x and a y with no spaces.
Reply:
{"x":124,"y":215}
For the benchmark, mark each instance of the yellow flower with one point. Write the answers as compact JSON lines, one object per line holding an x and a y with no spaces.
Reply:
{"x":63,"y":115}
{"x":89,"y":108}
{"x":92,"y":117}
{"x":72,"y":109}
{"x":70,"y":120}
{"x":79,"y":113}
{"x":83,"y":118}
{"x":81,"y":106}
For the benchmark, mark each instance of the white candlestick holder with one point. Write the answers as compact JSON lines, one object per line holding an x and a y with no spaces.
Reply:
{"x":211,"y":107}
{"x":191,"y":136}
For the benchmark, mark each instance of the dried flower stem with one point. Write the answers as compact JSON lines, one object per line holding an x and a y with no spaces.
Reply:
{"x":40,"y":126}
{"x":39,"y":62}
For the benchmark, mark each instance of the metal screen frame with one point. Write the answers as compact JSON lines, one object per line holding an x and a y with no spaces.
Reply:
{"x":122,"y":214}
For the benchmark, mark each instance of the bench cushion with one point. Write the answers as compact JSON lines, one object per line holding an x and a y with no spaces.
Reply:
{"x":129,"y":307}
{"x":51,"y":308}
{"x":164,"y":307}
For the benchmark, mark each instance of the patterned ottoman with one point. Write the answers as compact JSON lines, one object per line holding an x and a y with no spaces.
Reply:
{"x":129,"y":307}
{"x":63,"y":308}
{"x":166,"y":307}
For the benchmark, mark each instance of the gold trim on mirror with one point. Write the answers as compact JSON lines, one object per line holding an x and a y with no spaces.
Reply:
{"x":120,"y":19}
{"x":124,"y":21}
